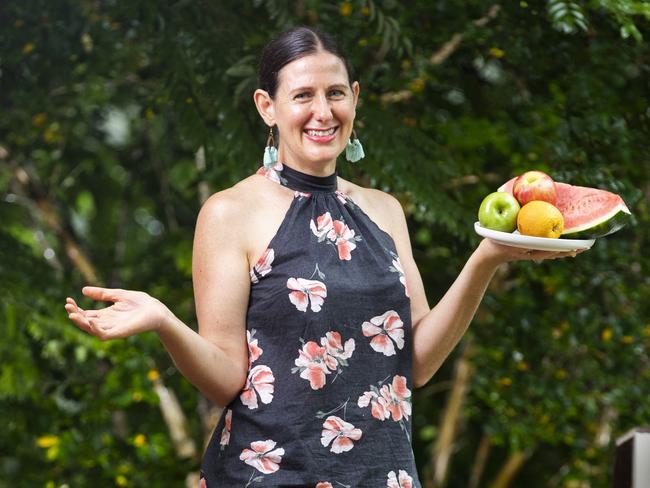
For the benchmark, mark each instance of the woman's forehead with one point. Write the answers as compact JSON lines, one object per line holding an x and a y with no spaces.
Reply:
{"x":314,"y":69}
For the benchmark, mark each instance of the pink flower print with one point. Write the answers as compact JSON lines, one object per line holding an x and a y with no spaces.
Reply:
{"x":324,"y":484}
{"x":321,"y":226}
{"x":314,"y":363}
{"x":397,"y":267}
{"x":386,"y":331}
{"x":313,"y":291}
{"x":340,"y":433}
{"x":259,"y":382}
{"x":225,"y":433}
{"x":343,"y":198}
{"x":404,"y":481}
{"x":398,"y":398}
{"x":301,"y":194}
{"x":263,"y":265}
{"x":254,"y":351}
{"x":343,"y":238}
{"x":203,"y":484}
{"x":336,"y":349}
{"x":273,"y":173}
{"x":262,"y":456}
{"x":378,"y":404}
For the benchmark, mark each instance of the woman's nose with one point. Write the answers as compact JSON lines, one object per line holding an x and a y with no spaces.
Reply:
{"x":321,"y":107}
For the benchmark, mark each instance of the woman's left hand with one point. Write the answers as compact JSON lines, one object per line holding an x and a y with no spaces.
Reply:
{"x":499,"y":253}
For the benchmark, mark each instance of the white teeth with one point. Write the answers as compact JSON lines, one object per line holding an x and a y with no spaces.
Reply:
{"x":321,"y":133}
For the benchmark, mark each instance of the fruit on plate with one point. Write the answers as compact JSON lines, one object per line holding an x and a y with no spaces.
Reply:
{"x":540,"y":219}
{"x":588,"y":213}
{"x":498,"y":211}
{"x":534,"y":185}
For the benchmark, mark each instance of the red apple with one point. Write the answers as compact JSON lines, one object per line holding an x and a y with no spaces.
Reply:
{"x":534,"y":185}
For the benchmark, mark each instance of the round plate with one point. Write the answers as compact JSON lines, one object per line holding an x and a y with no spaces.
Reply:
{"x":515,"y":239}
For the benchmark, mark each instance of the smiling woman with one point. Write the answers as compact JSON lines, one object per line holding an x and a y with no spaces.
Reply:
{"x":314,"y":327}
{"x":309,"y":99}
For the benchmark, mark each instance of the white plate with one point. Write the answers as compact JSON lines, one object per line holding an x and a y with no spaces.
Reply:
{"x":515,"y":239}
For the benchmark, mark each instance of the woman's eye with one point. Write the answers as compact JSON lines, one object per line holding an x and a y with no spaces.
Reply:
{"x":337,"y":93}
{"x":302,"y":95}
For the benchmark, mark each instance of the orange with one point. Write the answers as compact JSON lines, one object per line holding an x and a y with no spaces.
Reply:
{"x":540,"y":219}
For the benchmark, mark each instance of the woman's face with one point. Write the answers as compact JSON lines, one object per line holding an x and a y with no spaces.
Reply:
{"x":314,"y":108}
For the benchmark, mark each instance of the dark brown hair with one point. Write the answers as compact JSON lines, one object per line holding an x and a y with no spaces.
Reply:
{"x":294,"y":44}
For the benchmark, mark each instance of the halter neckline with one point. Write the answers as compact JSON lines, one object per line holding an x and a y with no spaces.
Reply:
{"x":297,"y":180}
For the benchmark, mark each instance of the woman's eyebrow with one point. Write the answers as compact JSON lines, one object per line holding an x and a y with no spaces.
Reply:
{"x":307,"y":88}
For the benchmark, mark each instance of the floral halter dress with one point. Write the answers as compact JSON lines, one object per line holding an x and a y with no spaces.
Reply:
{"x":327,"y":402}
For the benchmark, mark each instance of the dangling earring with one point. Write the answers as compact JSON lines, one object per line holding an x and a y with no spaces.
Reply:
{"x":354,"y":149}
{"x":270,"y":151}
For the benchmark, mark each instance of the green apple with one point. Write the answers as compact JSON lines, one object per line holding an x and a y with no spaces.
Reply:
{"x":499,"y":211}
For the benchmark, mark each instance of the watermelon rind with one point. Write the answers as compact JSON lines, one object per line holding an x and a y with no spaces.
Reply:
{"x":609,"y":223}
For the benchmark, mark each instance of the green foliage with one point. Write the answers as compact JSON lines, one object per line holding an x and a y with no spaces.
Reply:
{"x":105,"y":105}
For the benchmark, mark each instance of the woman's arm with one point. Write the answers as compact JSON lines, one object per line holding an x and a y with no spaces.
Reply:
{"x":215,"y":360}
{"x":436,"y":331}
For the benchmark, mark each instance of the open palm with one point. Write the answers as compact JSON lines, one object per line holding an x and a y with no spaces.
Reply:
{"x":132,"y":312}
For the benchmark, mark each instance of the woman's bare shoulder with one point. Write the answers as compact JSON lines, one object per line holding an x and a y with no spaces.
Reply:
{"x":239,"y":200}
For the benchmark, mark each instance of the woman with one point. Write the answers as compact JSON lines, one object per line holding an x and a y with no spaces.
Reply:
{"x":314,"y":326}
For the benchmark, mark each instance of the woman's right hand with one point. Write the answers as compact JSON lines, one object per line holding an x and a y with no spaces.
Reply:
{"x":132,"y":312}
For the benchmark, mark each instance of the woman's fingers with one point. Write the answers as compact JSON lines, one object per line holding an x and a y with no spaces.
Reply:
{"x":103,"y":294}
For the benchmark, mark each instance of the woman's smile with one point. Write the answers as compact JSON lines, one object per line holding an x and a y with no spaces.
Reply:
{"x":321,"y":135}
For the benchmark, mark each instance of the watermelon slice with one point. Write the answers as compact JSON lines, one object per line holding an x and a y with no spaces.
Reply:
{"x":588,"y":212}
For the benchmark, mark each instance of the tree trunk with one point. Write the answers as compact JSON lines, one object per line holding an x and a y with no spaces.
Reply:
{"x":510,"y":469}
{"x":479,"y":462}
{"x":443,"y":447}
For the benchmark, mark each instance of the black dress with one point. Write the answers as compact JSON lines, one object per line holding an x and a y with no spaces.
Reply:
{"x":327,"y":402}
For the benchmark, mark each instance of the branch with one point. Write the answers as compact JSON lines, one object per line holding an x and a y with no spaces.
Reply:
{"x":479,"y":462}
{"x":175,"y":420}
{"x":444,"y":445}
{"x":510,"y":469}
{"x":441,"y":55}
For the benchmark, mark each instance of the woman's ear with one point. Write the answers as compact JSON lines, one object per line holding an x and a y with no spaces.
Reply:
{"x":355,"y":92}
{"x":264,"y":104}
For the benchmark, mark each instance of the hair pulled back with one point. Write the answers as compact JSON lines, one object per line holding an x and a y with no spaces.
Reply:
{"x":294,"y":44}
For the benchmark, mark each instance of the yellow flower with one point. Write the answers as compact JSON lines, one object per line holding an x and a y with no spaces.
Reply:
{"x":153,"y":375}
{"x":139,"y":440}
{"x":28,"y":48}
{"x":627,"y":339}
{"x":121,"y":480}
{"x":523,"y":366}
{"x":406,"y":64}
{"x":363,"y":42}
{"x":504,"y":382}
{"x":606,"y":335}
{"x":39,"y":119}
{"x":52,"y":453}
{"x":51,"y":133}
{"x":417,"y":85}
{"x":495,"y":52}
{"x":560,"y":374}
{"x":346,"y":9}
{"x":149,"y":114}
{"x":47,"y":441}
{"x":365,"y":10}
{"x":137,"y":396}
{"x":189,"y":100}
{"x":646,"y":330}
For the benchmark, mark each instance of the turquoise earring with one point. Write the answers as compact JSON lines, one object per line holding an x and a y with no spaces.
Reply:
{"x":354,"y":149}
{"x":270,"y":151}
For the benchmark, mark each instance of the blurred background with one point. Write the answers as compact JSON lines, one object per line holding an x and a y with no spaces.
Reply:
{"x":118,"y":119}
